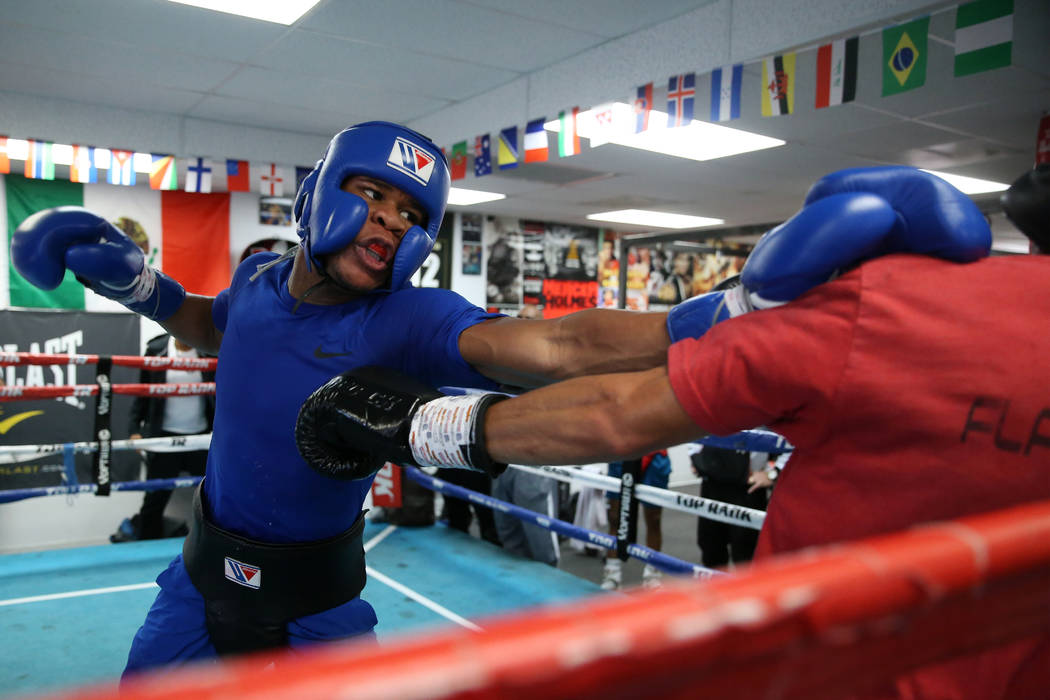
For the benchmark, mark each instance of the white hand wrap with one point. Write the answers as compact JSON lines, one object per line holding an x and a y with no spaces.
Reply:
{"x":141,"y":288}
{"x":443,"y":431}
{"x":737,"y":301}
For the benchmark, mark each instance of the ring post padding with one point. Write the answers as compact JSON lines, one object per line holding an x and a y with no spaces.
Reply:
{"x":627,"y":530}
{"x":101,"y":460}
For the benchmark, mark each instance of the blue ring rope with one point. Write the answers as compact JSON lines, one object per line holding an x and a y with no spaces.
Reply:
{"x":660,"y":560}
{"x":148,"y":485}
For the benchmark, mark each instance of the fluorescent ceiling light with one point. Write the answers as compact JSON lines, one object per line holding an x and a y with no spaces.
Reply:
{"x":969,"y":185}
{"x":465,"y":198}
{"x":1020,"y":247}
{"x":614,"y":123}
{"x":278,"y":11}
{"x":654,"y":219}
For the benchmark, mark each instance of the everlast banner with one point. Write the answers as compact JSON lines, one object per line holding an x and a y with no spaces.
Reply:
{"x":67,"y":419}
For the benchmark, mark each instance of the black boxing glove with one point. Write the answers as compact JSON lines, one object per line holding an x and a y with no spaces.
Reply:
{"x":365,"y":417}
{"x":1027,"y":205}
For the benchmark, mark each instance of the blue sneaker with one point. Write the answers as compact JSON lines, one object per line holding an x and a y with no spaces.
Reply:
{"x":127,"y":532}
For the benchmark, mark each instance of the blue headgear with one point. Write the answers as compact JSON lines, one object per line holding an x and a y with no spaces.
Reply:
{"x":328,"y":218}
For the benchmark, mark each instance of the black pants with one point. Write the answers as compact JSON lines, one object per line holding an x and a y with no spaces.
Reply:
{"x":165,"y":465}
{"x":716,"y":539}
{"x":458,"y":511}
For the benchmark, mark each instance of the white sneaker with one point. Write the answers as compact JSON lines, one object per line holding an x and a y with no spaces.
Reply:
{"x":651,"y":577}
{"x":612,"y":575}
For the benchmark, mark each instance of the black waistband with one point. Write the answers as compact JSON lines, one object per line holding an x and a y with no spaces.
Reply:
{"x":276,"y":582}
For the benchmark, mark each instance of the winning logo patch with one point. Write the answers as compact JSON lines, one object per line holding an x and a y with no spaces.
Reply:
{"x":412,"y":160}
{"x":243,"y":574}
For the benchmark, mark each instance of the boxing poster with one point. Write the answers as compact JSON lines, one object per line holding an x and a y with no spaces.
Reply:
{"x":471,"y":230}
{"x":670,"y":277}
{"x":275,"y":211}
{"x":638,"y":269}
{"x":720,"y":262}
{"x":533,"y":234}
{"x":571,"y":257}
{"x":608,"y":271}
{"x":503,"y":268}
{"x":66,"y":419}
{"x":660,"y":276}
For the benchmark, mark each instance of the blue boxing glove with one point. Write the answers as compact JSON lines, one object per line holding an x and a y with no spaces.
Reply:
{"x":849,"y":216}
{"x":933,"y":217}
{"x":101,"y":256}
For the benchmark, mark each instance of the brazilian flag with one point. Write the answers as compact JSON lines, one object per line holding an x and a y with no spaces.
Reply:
{"x":904,"y":51}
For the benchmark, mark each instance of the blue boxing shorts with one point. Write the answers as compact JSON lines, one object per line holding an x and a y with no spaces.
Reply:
{"x":657,"y":473}
{"x":175,"y":631}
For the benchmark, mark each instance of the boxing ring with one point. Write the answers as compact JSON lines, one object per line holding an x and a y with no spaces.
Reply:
{"x":417,"y":576}
{"x":461,"y":618}
{"x":84,"y":604}
{"x":812,"y":625}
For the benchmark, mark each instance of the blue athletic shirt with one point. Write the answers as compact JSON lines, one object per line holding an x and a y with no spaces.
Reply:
{"x":271,"y":360}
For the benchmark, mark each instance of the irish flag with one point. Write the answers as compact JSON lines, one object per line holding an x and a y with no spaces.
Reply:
{"x":183,"y":233}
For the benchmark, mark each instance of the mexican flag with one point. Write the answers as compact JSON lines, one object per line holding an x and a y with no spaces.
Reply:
{"x":185,"y":234}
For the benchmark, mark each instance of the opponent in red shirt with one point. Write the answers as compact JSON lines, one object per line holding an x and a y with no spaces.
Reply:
{"x":914,"y":389}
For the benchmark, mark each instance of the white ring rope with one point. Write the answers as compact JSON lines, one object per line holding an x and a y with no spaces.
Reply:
{"x":704,"y":507}
{"x":12,"y":454}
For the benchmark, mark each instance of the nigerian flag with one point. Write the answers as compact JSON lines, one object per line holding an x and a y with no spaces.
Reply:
{"x":984,"y":32}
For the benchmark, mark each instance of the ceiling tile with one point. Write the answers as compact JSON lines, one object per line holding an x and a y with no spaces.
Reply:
{"x":285,"y":117}
{"x":380,"y":68}
{"x":275,"y":87}
{"x":108,"y":58}
{"x":452,"y":30}
{"x":610,"y":18}
{"x":131,"y":92}
{"x":1009,"y":123}
{"x":151,"y":25}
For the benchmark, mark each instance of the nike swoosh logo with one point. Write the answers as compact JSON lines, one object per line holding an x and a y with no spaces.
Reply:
{"x":14,"y":420}
{"x":322,"y":355}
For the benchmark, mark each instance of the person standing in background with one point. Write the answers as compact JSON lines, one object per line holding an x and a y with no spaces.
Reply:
{"x":459,"y":513}
{"x":726,"y":475}
{"x":532,"y":492}
{"x":166,"y":417}
{"x":655,"y":469}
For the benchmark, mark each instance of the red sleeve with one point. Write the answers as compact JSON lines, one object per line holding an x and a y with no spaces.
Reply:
{"x":763,"y":368}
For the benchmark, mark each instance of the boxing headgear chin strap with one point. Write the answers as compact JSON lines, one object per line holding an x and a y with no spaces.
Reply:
{"x":329,"y":218}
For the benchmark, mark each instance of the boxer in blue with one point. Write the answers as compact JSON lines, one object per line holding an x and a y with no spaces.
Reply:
{"x":275,"y":557}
